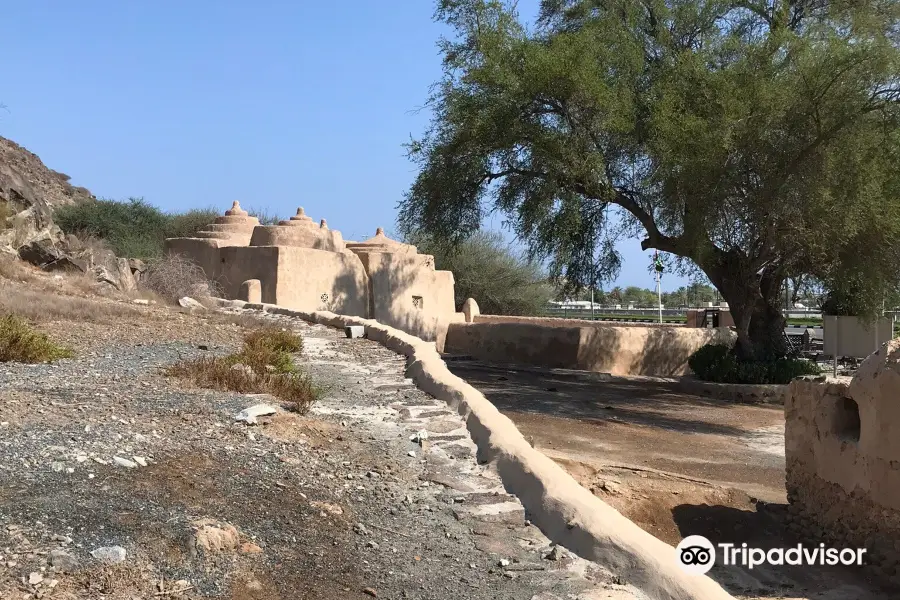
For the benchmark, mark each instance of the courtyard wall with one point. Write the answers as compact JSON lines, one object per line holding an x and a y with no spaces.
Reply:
{"x":618,"y":349}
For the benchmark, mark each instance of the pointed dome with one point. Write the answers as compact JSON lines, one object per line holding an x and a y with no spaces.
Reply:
{"x":236,"y":210}
{"x":236,"y":226}
{"x":381,"y":243}
{"x":300,"y":219}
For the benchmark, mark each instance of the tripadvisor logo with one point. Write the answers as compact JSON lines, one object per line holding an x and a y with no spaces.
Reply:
{"x":697,"y":555}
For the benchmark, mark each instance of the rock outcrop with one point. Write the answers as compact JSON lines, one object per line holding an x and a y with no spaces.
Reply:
{"x":29,"y":194}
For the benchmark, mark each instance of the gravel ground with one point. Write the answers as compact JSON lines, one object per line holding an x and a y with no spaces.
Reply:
{"x":339,"y":503}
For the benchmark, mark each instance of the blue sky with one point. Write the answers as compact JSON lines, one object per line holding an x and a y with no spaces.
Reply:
{"x":274,"y":103}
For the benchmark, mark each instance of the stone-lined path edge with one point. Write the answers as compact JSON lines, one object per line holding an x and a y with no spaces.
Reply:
{"x":567,"y":513}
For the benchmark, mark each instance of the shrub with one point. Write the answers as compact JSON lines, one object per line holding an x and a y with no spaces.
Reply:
{"x":189,"y":223}
{"x":709,"y":362}
{"x":20,"y":342}
{"x":263,"y":366}
{"x":134,"y":229}
{"x":49,"y":303}
{"x":175,"y":277}
{"x":264,"y":216}
{"x":720,"y":364}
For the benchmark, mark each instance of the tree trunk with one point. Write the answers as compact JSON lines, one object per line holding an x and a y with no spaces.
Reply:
{"x":756,"y":309}
{"x":767,"y":330}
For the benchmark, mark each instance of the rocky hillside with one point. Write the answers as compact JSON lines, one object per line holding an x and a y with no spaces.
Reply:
{"x":29,"y":193}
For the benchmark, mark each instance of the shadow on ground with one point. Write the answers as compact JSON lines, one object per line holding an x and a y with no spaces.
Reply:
{"x":639,"y":402}
{"x":766,"y":528}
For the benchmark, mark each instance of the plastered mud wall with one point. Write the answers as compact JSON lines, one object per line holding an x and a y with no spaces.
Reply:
{"x":842,"y":451}
{"x":304,"y":265}
{"x":654,"y":350}
{"x":565,"y":511}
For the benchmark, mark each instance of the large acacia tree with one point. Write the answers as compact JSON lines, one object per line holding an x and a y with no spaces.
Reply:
{"x":753,"y":140}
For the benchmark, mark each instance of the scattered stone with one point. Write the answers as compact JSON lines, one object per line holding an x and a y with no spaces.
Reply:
{"x":124,"y":462}
{"x":411,"y":453}
{"x":212,"y":536}
{"x":555,"y":553}
{"x":250,"y":548}
{"x":141,"y":301}
{"x":610,"y":486}
{"x":188,"y":302}
{"x":372,"y":544}
{"x":503,"y":562}
{"x":370,"y":591}
{"x":110,"y":554}
{"x":140,"y":460}
{"x":355,"y":331}
{"x":246,"y":370}
{"x":250,"y":414}
{"x":325,"y":507}
{"x":63,"y":561}
{"x":419,"y":437}
{"x":35,"y":578}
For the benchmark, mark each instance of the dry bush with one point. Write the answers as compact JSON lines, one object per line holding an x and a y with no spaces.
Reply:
{"x":112,"y":582}
{"x":20,"y":342}
{"x":14,"y":269}
{"x":245,"y":320}
{"x":6,"y":211}
{"x":175,"y":277}
{"x":263,"y":366}
{"x":38,"y":305}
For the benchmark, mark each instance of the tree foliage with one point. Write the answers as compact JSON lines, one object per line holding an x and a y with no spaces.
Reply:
{"x":754,"y":140}
{"x":486,"y":269}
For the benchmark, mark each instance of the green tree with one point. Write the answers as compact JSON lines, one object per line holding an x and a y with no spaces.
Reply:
{"x":599,"y":296}
{"x":750,"y":139}
{"x":486,"y":269}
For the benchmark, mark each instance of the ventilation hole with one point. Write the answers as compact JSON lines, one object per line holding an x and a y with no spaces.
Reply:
{"x":418,"y":302}
{"x":846,"y":419}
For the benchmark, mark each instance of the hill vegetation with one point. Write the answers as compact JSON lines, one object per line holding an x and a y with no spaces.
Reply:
{"x":135,"y":228}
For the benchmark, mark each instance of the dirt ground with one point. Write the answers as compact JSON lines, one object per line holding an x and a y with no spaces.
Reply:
{"x":675,"y":464}
{"x":336,"y":504}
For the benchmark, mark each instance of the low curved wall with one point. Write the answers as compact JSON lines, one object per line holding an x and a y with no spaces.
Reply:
{"x":566,"y":512}
{"x":734,"y":392}
{"x":655,"y":350}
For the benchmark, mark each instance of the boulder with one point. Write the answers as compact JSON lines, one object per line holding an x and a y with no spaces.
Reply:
{"x":190,"y":303}
{"x":48,"y":256}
